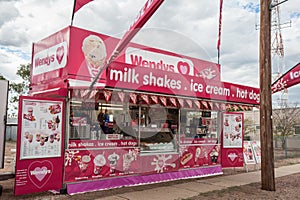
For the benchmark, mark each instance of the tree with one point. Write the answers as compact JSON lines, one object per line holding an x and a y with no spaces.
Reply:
{"x":248,"y":127}
{"x":2,"y":77}
{"x":285,"y":118}
{"x":22,"y":88}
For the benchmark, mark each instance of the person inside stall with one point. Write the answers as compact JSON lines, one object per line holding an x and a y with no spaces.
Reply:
{"x":73,"y":130}
{"x":135,"y":121}
{"x":105,"y":122}
{"x":100,"y":118}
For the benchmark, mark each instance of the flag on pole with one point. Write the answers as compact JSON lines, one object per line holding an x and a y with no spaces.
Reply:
{"x":144,"y":15}
{"x":77,"y":5}
{"x":220,"y":27}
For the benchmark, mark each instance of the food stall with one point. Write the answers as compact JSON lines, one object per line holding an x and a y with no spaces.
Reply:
{"x":152,"y":116}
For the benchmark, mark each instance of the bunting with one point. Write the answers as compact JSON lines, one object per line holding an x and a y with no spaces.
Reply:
{"x":216,"y":106}
{"x":228,"y":106}
{"x":223,"y":106}
{"x":121,"y":96}
{"x":189,"y":102}
{"x":107,"y":95}
{"x":210,"y":105}
{"x":133,"y":97}
{"x":197,"y":103}
{"x":154,"y":99}
{"x":173,"y":101}
{"x":93,"y":94}
{"x":236,"y":107}
{"x":145,"y":98}
{"x":181,"y":102}
{"x":163,"y":100}
{"x":205,"y":105}
{"x":83,"y":93}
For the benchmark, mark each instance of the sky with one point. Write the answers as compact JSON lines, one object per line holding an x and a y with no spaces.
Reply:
{"x":188,"y":27}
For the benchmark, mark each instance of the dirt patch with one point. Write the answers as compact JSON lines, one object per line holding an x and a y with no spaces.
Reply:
{"x":287,"y":187}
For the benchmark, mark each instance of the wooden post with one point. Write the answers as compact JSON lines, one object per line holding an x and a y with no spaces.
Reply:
{"x":266,"y":134}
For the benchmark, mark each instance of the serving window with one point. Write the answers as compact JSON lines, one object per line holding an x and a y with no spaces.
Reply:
{"x":153,"y":127}
{"x":158,"y":128}
{"x":101,"y":121}
{"x":198,"y":124}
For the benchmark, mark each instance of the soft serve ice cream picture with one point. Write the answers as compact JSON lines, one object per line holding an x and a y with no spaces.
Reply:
{"x":94,"y":51}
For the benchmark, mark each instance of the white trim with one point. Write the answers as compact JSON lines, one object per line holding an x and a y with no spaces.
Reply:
{"x":45,"y":91}
{"x":80,"y":83}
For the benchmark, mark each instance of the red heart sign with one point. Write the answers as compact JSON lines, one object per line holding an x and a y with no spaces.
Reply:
{"x":60,"y":51}
{"x":40,"y":172}
{"x":183,"y":67}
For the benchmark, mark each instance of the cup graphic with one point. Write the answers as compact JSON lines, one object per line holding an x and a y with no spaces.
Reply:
{"x":30,"y":111}
{"x":127,"y":159}
{"x":38,"y":137}
{"x":214,"y":156}
{"x":26,"y":134}
{"x":85,"y":162}
{"x":30,"y":138}
{"x":51,"y":138}
{"x":99,"y":162}
{"x":113,"y":159}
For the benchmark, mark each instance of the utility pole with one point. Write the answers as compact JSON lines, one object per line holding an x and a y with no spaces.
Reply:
{"x":266,"y":134}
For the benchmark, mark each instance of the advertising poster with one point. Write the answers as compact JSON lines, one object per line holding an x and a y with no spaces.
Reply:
{"x":81,"y":165}
{"x":232,"y":140}
{"x":199,"y":155}
{"x":39,"y":145}
{"x":158,"y":163}
{"x":3,"y":108}
{"x":249,"y":153}
{"x":256,"y":151}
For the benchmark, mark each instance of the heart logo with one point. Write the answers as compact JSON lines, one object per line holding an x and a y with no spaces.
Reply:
{"x":40,"y":172}
{"x":233,"y":156}
{"x":183,"y":67}
{"x":60,"y":51}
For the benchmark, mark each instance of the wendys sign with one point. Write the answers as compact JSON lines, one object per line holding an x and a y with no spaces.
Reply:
{"x":50,"y":59}
{"x":156,"y":61}
{"x":170,"y":63}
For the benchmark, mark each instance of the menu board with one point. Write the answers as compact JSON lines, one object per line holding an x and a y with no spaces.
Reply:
{"x":40,"y":155}
{"x":233,"y":129}
{"x":41,"y":129}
